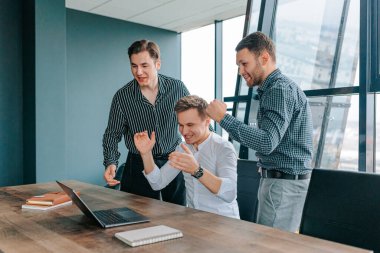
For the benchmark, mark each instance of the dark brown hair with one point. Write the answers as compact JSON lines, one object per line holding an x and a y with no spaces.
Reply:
{"x":190,"y":102}
{"x":257,"y":42}
{"x":145,"y":45}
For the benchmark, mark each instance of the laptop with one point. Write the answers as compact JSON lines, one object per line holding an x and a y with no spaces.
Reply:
{"x":105,"y":218}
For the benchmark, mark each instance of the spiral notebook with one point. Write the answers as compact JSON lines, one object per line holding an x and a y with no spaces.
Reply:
{"x":148,"y":235}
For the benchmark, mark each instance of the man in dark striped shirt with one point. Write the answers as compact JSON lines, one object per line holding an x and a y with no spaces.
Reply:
{"x":283,"y":139}
{"x":144,"y":104}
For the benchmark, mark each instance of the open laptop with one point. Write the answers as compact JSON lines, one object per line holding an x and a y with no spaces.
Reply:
{"x":105,"y":218}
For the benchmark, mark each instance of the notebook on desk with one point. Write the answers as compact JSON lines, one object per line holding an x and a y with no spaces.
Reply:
{"x":105,"y":218}
{"x":148,"y":235}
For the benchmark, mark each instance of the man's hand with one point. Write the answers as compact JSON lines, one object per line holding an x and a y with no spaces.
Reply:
{"x":184,"y":161}
{"x":143,"y":143}
{"x":109,"y":175}
{"x":216,"y":110}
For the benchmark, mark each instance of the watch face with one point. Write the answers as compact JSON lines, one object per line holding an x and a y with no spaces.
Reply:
{"x":198,"y":173}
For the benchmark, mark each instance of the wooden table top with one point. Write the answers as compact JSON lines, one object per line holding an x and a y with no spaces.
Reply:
{"x":66,"y":229}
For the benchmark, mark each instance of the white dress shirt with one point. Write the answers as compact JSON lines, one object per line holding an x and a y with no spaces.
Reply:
{"x":217,"y":156}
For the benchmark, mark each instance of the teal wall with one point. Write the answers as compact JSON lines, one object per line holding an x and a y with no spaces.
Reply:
{"x":97,"y":66}
{"x":59,"y":69}
{"x":50,"y":89}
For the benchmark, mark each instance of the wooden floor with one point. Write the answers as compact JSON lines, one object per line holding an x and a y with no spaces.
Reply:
{"x":67,"y":230}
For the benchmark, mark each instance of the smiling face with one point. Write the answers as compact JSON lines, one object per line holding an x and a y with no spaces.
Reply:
{"x":193,"y":128}
{"x":251,"y":67}
{"x":144,"y":69}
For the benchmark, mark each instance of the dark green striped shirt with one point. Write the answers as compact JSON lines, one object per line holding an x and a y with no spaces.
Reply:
{"x":131,"y":113}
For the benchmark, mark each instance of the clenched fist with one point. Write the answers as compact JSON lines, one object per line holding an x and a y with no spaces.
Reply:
{"x":216,"y":110}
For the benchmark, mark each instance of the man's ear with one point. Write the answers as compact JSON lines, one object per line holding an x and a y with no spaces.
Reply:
{"x":264,"y":57}
{"x":158,"y":64}
{"x":208,"y":120}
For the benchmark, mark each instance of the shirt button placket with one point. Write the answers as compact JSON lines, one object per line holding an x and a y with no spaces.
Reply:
{"x":156,"y":126}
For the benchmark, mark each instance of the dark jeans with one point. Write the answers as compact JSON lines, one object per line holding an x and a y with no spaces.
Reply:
{"x":134,"y":181}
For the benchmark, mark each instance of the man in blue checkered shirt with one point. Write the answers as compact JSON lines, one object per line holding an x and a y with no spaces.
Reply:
{"x":283,"y":138}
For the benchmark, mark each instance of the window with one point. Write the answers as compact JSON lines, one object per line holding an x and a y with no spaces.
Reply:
{"x":197,"y":63}
{"x":318,"y":47}
{"x":336,"y":131}
{"x":232,"y":34}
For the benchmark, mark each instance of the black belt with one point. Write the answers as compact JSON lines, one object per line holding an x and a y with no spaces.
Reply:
{"x":281,"y":175}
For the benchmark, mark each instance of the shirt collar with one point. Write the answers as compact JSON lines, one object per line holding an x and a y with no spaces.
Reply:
{"x":161,"y":85}
{"x":137,"y":90}
{"x":204,"y":143}
{"x":268,"y":82}
{"x":161,"y":88}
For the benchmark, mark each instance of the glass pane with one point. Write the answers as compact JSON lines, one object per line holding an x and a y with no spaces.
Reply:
{"x":349,"y":57}
{"x":307,"y":36}
{"x":254,"y":19}
{"x":229,"y":106}
{"x":232,"y":34}
{"x":253,"y":23}
{"x":198,"y":75}
{"x":336,"y":131}
{"x":243,"y":87}
{"x":240,"y":113}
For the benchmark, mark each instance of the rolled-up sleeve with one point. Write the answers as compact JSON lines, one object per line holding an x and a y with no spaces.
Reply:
{"x":113,"y":133}
{"x":159,"y":178}
{"x":226,"y":170}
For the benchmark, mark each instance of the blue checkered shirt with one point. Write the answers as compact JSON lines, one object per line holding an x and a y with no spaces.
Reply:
{"x":283,"y":138}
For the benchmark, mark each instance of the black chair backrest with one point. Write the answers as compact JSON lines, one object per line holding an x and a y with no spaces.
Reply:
{"x":247,"y":187}
{"x":344,"y":207}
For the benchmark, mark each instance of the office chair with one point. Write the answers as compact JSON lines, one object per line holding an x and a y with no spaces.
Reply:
{"x":119,"y":174}
{"x":344,"y":207}
{"x":247,"y":186}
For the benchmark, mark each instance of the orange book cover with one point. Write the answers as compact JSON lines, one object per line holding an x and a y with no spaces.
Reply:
{"x":49,"y":199}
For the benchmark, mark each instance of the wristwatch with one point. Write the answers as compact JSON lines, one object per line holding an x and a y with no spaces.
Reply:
{"x":198,"y":173}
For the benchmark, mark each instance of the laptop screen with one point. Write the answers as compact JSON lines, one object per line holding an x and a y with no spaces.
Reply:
{"x":78,"y":201}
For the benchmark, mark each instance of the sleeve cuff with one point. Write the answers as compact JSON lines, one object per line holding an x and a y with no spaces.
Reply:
{"x":227,"y":191}
{"x":154,"y":176}
{"x":106,"y":164}
{"x":226,"y":122}
{"x":222,"y":188}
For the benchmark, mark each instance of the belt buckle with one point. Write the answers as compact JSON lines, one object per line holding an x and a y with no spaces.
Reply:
{"x":263,"y":172}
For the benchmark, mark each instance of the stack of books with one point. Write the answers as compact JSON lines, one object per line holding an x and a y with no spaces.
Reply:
{"x":47,"y":201}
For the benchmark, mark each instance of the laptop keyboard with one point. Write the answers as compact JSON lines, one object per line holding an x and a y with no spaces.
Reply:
{"x":110,"y":216}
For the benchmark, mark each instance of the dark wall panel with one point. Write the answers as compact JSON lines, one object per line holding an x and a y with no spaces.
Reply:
{"x":11,"y":151}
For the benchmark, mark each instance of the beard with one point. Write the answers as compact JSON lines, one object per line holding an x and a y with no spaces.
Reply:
{"x":254,"y":80}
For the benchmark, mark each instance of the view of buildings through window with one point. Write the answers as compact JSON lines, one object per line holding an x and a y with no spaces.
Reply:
{"x":318,"y":47}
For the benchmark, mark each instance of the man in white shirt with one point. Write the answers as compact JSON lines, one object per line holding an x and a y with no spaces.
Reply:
{"x":207,"y":161}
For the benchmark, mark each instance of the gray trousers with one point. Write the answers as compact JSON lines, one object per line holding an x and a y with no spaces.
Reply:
{"x":280,"y":203}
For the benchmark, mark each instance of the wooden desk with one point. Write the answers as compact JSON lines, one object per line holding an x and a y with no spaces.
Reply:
{"x":67,"y":230}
